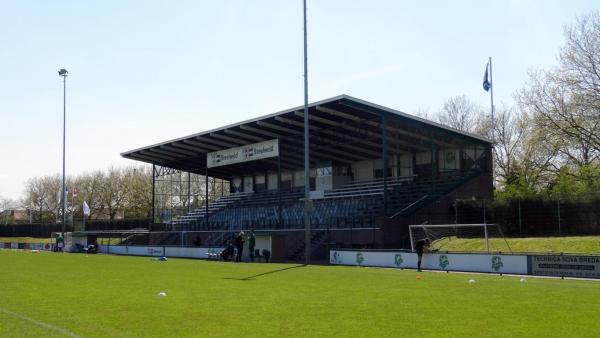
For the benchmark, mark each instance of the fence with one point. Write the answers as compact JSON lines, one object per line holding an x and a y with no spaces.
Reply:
{"x":532,"y":217}
{"x":44,"y":230}
{"x":526,"y":217}
{"x":31,"y":230}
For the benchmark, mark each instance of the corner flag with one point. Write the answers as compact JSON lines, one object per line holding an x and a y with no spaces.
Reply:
{"x":86,"y":209}
{"x":486,"y":83}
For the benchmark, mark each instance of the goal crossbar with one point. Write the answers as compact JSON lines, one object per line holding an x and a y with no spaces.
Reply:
{"x":485,"y":227}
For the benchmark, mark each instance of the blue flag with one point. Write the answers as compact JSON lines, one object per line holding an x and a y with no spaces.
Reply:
{"x":486,"y":82}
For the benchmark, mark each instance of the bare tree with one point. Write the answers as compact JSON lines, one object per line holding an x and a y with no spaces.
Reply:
{"x":43,"y":195}
{"x":564,"y":102}
{"x":509,"y":134}
{"x":113,"y":192}
{"x":89,"y":185}
{"x":423,"y":113}
{"x":6,"y":205}
{"x":138,"y":181}
{"x":35,"y":195}
{"x":460,"y":113}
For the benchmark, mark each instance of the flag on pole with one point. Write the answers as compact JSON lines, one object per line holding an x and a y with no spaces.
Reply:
{"x":75,"y":191}
{"x":59,"y":195}
{"x":86,"y":209}
{"x":486,"y":82}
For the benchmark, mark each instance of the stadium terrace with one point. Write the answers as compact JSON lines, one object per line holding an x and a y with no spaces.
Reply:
{"x":374,"y":170}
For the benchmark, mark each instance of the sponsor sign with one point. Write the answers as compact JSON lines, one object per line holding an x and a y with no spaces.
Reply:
{"x":448,"y":261}
{"x":25,"y":246}
{"x":183,"y":252}
{"x":250,"y":152}
{"x":566,"y":265}
{"x":36,"y":246}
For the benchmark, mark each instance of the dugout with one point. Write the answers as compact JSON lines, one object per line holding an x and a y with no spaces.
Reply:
{"x":373,"y":170}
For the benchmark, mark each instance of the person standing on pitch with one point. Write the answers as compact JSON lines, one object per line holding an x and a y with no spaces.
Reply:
{"x":60,"y":243}
{"x":422,"y":245}
{"x":239,"y":244}
{"x":251,"y":244}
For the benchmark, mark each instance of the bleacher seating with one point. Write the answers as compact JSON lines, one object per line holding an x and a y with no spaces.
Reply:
{"x":355,"y":204}
{"x":213,"y":207}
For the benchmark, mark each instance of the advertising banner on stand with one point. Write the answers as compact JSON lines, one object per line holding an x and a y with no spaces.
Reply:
{"x":565,"y":266}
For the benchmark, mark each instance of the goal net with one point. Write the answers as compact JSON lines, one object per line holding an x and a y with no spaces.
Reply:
{"x":460,"y":237}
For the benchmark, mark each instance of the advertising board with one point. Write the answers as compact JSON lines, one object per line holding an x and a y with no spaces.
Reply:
{"x":516,"y":264}
{"x":565,"y":266}
{"x":250,"y":152}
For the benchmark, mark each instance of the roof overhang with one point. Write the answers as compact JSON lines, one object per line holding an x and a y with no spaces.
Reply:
{"x":343,"y":129}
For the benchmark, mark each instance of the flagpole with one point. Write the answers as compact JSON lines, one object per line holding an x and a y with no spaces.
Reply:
{"x":492,"y":100}
{"x":63,"y":72}
{"x":493,"y":120}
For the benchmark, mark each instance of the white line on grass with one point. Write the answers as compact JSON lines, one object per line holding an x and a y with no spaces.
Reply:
{"x":488,"y":273}
{"x":40,"y":323}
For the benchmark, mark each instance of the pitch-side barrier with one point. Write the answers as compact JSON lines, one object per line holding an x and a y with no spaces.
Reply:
{"x":561,"y":265}
{"x":158,"y":251}
{"x":25,"y":246}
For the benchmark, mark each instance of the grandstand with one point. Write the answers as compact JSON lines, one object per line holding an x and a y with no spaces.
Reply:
{"x":374,"y":170}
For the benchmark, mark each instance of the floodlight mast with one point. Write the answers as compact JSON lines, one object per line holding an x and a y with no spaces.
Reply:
{"x":307,"y":244}
{"x":63,"y":72}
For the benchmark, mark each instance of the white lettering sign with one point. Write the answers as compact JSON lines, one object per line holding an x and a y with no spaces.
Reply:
{"x":566,"y":266}
{"x":250,"y":152}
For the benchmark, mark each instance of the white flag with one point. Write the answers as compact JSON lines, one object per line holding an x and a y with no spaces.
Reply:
{"x":86,"y":209}
{"x":59,"y":195}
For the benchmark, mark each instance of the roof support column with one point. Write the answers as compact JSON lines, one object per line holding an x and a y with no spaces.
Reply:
{"x":433,"y":164}
{"x":279,"y":220}
{"x":171,"y":226}
{"x":385,"y":160}
{"x":153,"y":192}
{"x":398,"y":163}
{"x":189,"y":195}
{"x":206,"y":198}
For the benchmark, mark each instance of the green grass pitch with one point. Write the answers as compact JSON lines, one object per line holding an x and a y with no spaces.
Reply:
{"x":110,"y":296}
{"x":571,"y":244}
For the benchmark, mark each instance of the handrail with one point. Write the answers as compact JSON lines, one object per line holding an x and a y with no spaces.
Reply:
{"x":410,"y":206}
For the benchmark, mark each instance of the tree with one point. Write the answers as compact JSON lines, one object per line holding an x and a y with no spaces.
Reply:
{"x":509,"y":134}
{"x":6,"y":205}
{"x":461,"y":113}
{"x":43,"y":195}
{"x":138,"y":181}
{"x":564,"y":102}
{"x":112,"y":192}
{"x":89,"y":185}
{"x":127,"y":190}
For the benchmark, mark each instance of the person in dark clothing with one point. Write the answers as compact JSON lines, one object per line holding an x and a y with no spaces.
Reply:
{"x":93,"y":248}
{"x":227,"y":253}
{"x":251,"y":244}
{"x":198,"y":241}
{"x":239,"y":244}
{"x":422,"y":246}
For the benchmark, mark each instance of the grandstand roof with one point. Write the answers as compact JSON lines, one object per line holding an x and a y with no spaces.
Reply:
{"x":343,"y":129}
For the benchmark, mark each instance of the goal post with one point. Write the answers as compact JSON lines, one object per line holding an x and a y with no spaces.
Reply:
{"x":443,"y":234}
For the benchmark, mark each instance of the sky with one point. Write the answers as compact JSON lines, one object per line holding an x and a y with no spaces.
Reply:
{"x":143,"y":72}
